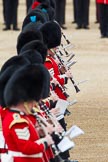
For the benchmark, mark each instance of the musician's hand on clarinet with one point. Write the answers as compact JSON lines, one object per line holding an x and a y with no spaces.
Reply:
{"x":55,"y":111}
{"x":49,"y":140}
{"x":59,"y":128}
{"x":68,"y":74}
{"x":54,"y":97}
{"x":49,"y":128}
{"x":57,"y":61}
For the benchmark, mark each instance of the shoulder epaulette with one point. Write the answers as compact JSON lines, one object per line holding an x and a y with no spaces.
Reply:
{"x":47,"y":59}
{"x":17,"y":119}
{"x":36,"y":109}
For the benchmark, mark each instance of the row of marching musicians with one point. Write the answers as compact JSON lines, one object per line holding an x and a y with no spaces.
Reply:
{"x":33,"y":98}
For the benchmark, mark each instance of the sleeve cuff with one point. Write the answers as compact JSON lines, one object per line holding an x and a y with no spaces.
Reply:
{"x":42,"y":141}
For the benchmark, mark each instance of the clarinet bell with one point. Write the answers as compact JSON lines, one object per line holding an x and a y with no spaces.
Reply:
{"x":58,"y":159}
{"x":77,"y":89}
{"x":67,"y":112}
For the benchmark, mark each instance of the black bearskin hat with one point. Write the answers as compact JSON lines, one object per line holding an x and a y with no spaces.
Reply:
{"x":51,"y":34}
{"x":25,"y":37}
{"x":7,"y":71}
{"x":27,"y":84}
{"x":14,"y":61}
{"x":35,"y":16}
{"x":38,"y":46}
{"x":47,"y":9}
{"x":32,"y":26}
{"x":33,"y":56}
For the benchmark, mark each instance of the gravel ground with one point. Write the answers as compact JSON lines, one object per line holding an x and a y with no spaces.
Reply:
{"x":90,"y":113}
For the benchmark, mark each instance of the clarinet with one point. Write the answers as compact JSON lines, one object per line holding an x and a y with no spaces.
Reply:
{"x":59,"y":85}
{"x":56,"y":153}
{"x":63,"y":90}
{"x":40,"y":126}
{"x":67,"y":41}
{"x":66,"y":52}
{"x":73,"y":82}
{"x":51,"y":119}
{"x":53,"y":146}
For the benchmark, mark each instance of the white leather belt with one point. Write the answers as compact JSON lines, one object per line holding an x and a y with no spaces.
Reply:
{"x":19,"y":154}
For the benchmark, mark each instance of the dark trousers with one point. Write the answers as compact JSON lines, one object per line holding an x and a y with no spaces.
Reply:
{"x":60,"y":11}
{"x":83,"y":12}
{"x":28,"y":4}
{"x":11,"y":12}
{"x":4,"y":11}
{"x":97,"y":12}
{"x":103,"y":19}
{"x":75,"y":10}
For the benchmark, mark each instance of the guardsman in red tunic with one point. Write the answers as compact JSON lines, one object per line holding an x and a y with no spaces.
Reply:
{"x":3,"y":148}
{"x":18,"y":123}
{"x":103,"y":1}
{"x":56,"y":78}
{"x":51,"y":32}
{"x":103,"y":13}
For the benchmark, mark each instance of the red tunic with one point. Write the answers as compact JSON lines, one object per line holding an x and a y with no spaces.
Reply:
{"x":22,"y":138}
{"x":102,"y":1}
{"x":52,"y":66}
{"x":2,"y":149}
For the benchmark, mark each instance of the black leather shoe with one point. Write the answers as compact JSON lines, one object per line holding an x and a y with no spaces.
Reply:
{"x":63,"y":27}
{"x":96,"y":22}
{"x":78,"y":27}
{"x":103,"y":36}
{"x":73,"y":22}
{"x":16,"y":29}
{"x":85,"y":27}
{"x":7,"y":28}
{"x":67,"y":112}
{"x":107,"y":35}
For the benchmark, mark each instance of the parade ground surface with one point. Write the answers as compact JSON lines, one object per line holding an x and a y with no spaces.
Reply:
{"x":91,"y":111}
